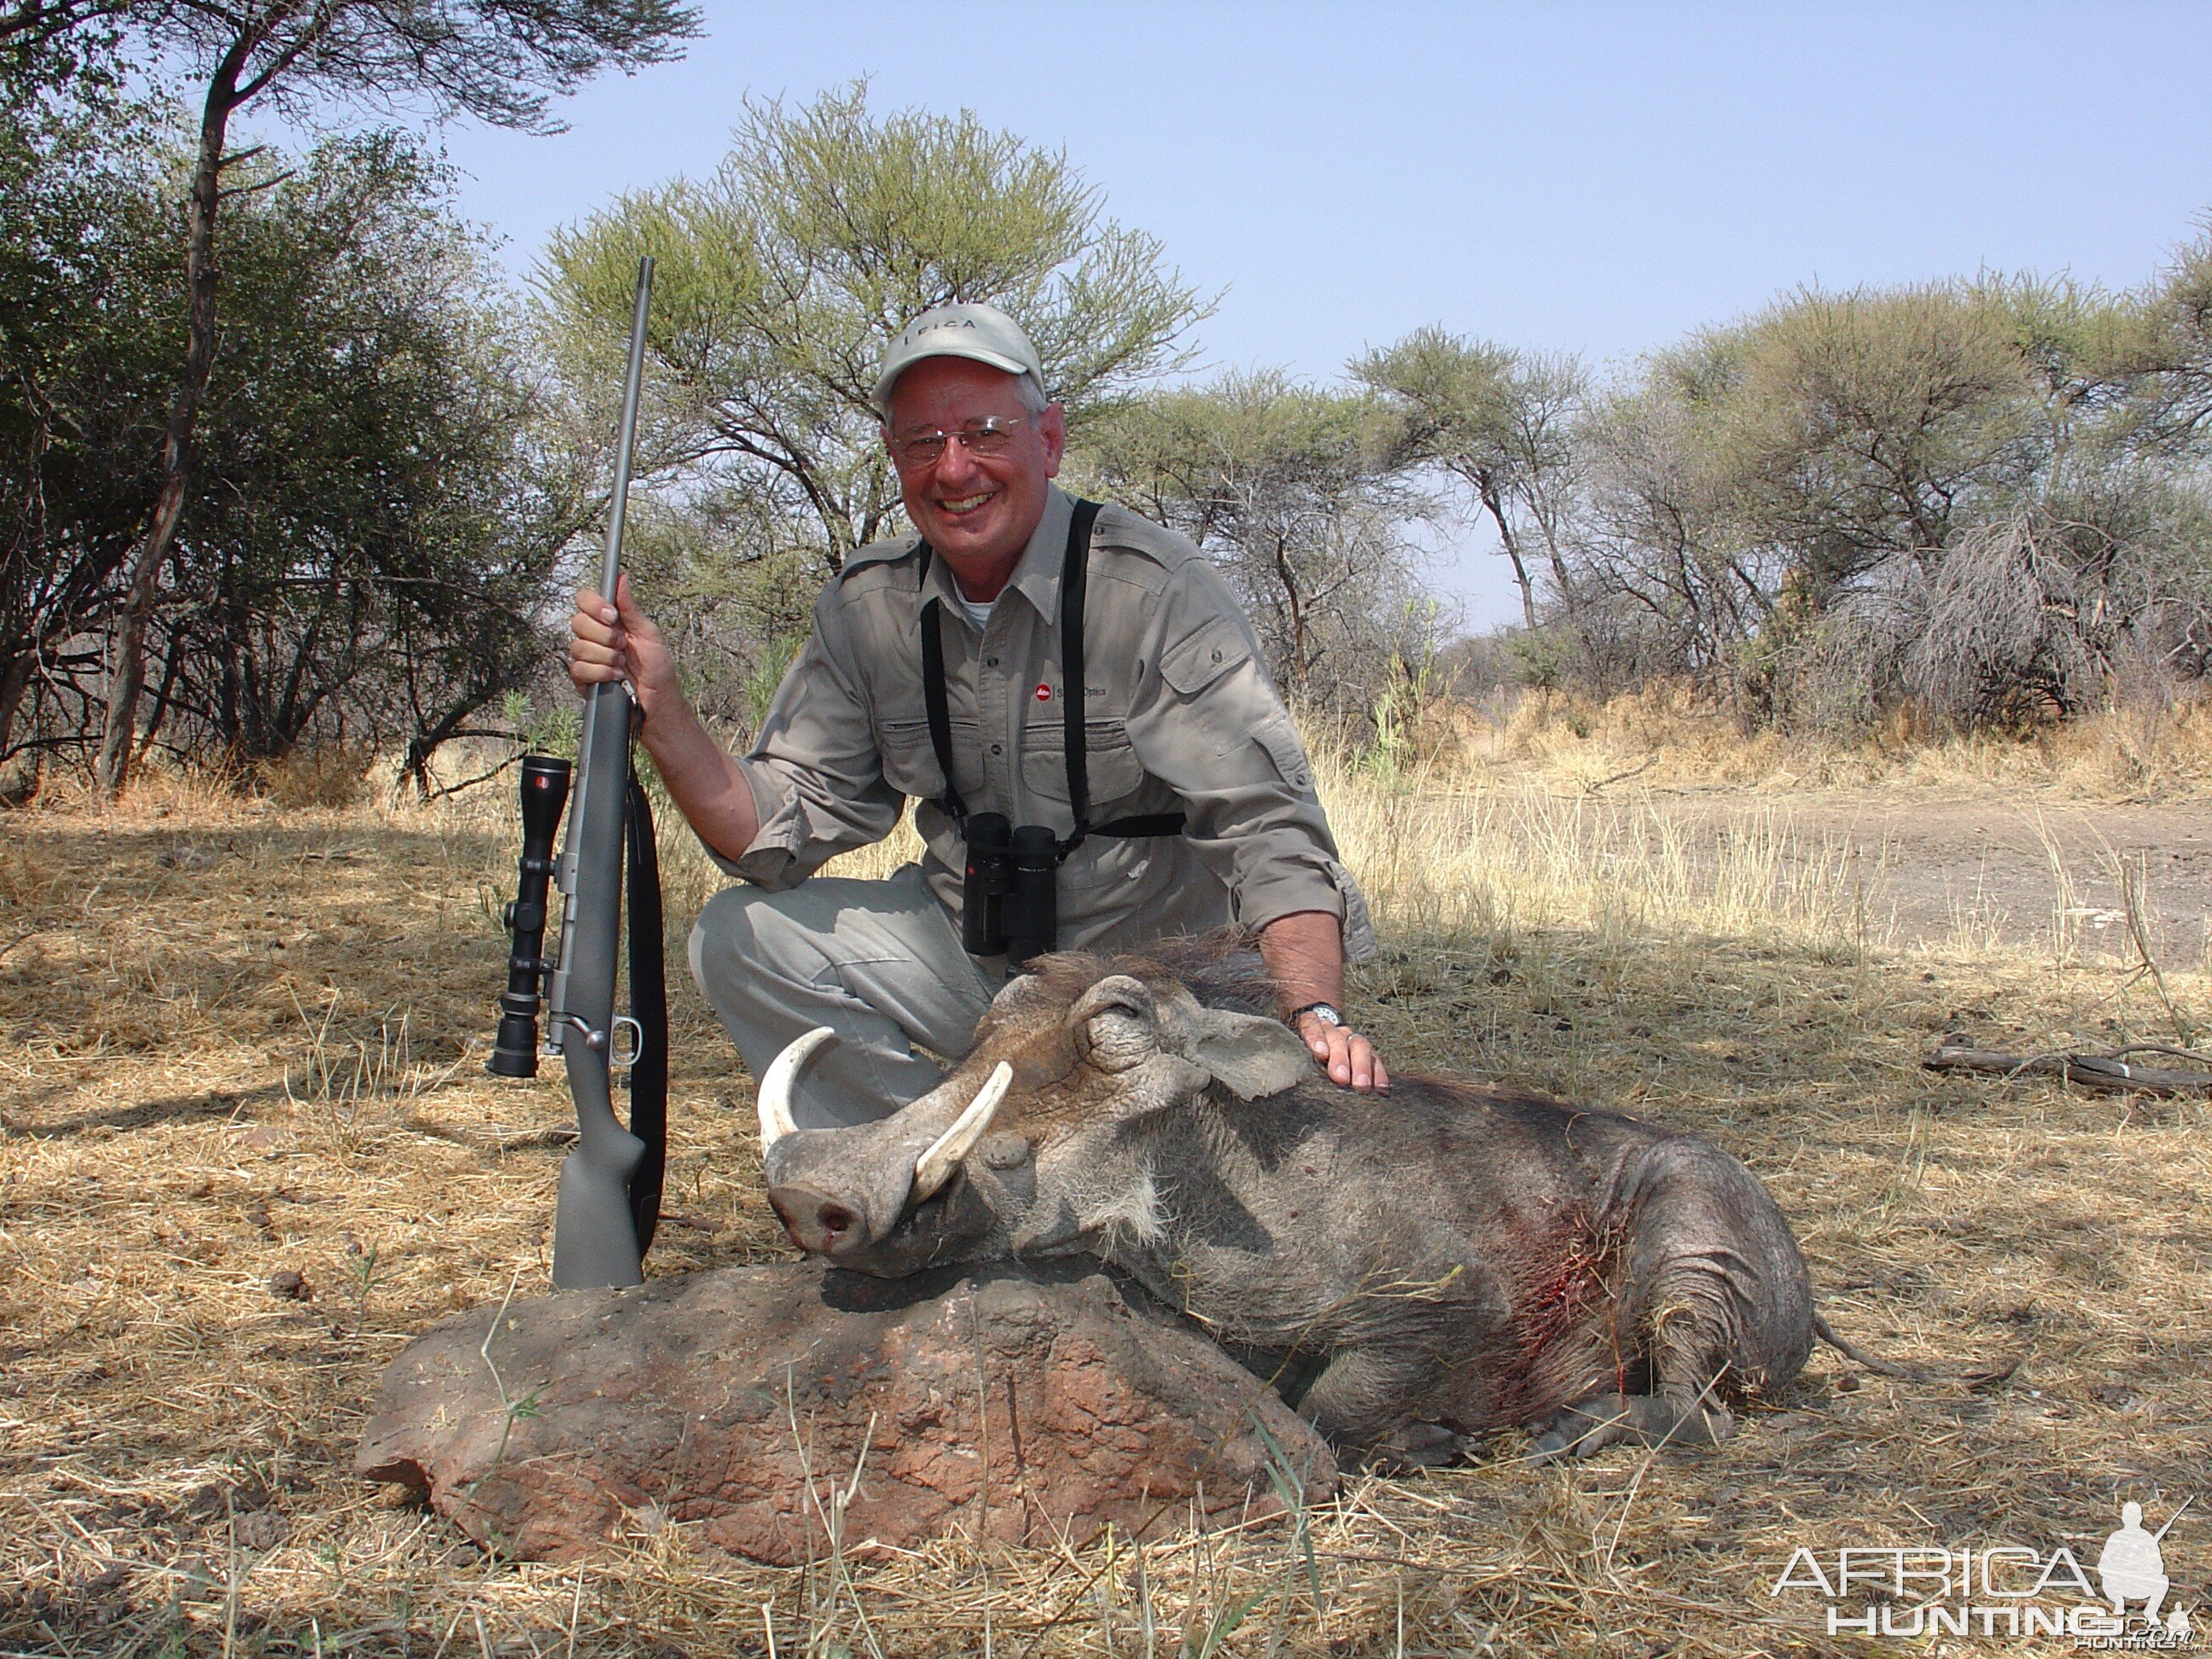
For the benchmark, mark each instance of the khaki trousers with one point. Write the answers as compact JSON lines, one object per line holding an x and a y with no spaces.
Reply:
{"x":877,"y":961}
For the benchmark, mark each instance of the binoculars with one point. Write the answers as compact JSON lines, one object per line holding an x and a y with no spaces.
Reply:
{"x":544,"y":794}
{"x":1008,"y":902}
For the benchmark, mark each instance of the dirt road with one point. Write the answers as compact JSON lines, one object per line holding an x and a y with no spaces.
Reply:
{"x":1981,"y":871}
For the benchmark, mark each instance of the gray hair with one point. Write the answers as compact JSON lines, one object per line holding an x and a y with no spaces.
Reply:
{"x":1035,"y":400}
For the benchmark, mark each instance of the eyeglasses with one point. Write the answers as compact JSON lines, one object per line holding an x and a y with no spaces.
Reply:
{"x":914,"y":451}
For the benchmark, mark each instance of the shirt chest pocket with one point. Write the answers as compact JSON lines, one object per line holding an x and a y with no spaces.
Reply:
{"x":910,"y":760}
{"x":1111,"y":762}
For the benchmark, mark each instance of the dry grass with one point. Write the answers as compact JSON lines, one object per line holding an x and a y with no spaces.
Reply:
{"x":240,"y":1041}
{"x":1660,"y":736}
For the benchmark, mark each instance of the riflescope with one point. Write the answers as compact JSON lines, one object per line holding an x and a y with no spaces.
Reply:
{"x":544,"y":794}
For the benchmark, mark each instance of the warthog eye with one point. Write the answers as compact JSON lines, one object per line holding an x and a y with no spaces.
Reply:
{"x":1114,"y":1040}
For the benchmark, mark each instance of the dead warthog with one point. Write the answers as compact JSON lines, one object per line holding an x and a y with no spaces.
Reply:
{"x":1441,"y":1260}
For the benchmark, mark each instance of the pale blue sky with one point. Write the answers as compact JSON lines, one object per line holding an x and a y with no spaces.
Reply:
{"x":1597,"y":178}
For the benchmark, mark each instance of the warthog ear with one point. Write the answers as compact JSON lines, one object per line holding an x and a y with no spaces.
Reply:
{"x":1252,"y":1055}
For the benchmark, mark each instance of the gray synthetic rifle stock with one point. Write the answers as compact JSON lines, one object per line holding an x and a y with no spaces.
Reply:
{"x":596,"y":1225}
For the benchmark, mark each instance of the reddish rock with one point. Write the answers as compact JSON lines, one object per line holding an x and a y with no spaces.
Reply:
{"x":744,"y":1399}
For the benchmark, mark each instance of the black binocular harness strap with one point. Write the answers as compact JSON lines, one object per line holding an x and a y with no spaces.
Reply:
{"x":649,"y":1006}
{"x":1074,"y":578}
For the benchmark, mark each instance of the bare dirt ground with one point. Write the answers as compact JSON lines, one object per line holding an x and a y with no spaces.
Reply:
{"x":2011,"y":872}
{"x":248,"y":1150}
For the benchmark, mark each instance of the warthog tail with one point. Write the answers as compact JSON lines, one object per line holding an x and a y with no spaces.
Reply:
{"x":1826,"y":1333}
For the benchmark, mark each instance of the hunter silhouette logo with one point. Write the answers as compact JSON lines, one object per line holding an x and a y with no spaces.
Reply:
{"x":2132,"y":1568}
{"x":2004,"y":1589}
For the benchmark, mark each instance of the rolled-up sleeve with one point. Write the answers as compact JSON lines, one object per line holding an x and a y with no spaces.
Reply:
{"x":1209,"y":723}
{"x":815,"y":771}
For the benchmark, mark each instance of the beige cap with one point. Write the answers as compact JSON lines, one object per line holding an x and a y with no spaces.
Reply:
{"x":983,"y":332}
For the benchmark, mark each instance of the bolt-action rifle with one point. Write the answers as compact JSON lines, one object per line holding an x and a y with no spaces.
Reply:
{"x":610,"y":1196}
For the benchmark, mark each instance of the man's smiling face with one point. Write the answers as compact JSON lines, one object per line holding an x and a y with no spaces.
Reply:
{"x":978,"y":512}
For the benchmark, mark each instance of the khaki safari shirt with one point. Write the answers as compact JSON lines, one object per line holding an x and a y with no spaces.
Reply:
{"x":1180,"y":713}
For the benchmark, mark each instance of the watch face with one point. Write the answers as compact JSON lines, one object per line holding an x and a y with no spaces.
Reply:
{"x":1325,"y":1013}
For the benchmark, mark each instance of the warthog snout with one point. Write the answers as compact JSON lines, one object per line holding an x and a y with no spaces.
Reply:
{"x":815,"y":1220}
{"x":839,"y":1192}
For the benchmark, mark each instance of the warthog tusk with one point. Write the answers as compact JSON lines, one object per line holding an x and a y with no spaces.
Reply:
{"x":774,"y":1099}
{"x":935,"y":1167}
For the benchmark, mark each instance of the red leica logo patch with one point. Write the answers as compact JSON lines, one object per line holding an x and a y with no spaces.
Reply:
{"x":1044,"y":694}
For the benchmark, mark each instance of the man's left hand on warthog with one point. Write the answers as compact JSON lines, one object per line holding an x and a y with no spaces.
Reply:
{"x":1445,"y":1261}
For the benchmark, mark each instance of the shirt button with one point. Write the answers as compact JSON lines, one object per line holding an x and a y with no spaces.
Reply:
{"x":1217,"y":656}
{"x":998,"y":749}
{"x":990,"y":662}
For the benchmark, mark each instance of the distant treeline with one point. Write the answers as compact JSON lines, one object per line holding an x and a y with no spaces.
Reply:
{"x":1984,"y":499}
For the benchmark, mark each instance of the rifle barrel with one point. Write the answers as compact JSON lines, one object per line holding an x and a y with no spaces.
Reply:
{"x":610,"y":569}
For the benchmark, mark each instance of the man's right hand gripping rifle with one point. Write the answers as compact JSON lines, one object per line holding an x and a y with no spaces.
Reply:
{"x":618,"y":642}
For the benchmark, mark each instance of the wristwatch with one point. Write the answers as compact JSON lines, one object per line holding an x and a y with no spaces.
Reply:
{"x":1327,"y":1012}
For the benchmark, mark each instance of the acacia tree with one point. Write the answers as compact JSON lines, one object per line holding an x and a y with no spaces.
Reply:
{"x":1671,"y":582}
{"x":499,"y":60}
{"x":1501,"y":422}
{"x":88,"y":338}
{"x":1984,"y":497}
{"x":781,"y":279}
{"x":1299,"y":498}
{"x":2158,"y":351}
{"x":368,"y":554}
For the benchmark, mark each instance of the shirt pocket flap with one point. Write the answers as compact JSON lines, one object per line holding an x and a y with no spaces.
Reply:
{"x":909,"y":759}
{"x":1204,"y":656}
{"x":1110,"y":760}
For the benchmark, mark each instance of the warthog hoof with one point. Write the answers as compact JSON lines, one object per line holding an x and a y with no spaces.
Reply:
{"x":1649,"y":1419}
{"x":1416,"y":1446}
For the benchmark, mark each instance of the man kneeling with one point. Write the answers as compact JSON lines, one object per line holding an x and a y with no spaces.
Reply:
{"x":1025,"y":659}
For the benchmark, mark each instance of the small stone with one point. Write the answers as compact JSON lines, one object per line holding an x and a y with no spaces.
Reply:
{"x":1848,"y":1383}
{"x":262,"y":1530}
{"x":288,"y":1284}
